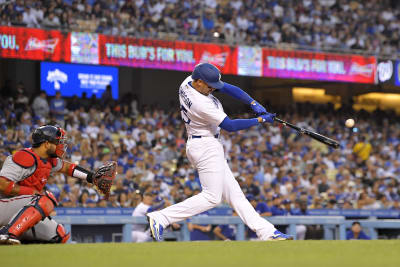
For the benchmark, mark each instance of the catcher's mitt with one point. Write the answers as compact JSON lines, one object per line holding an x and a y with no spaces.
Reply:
{"x":104,"y":176}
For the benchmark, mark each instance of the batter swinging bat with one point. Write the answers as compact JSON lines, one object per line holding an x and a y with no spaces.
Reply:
{"x":319,"y":137}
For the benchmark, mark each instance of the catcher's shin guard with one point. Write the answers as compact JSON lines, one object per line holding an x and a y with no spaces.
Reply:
{"x":30,"y":215}
{"x":62,"y":236}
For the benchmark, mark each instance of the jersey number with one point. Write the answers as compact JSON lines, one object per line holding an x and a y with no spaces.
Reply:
{"x":184,"y":115}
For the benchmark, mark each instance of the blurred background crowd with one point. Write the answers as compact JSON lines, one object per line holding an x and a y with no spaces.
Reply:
{"x":335,"y":25}
{"x":280,"y":171}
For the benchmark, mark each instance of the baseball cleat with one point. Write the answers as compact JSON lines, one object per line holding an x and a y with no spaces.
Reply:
{"x":8,"y":240}
{"x":156,"y":229}
{"x":278,"y":236}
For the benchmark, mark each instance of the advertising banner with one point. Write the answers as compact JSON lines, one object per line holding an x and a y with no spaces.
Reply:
{"x":250,"y":61}
{"x":397,"y":74}
{"x":35,"y":44}
{"x":98,"y":49}
{"x":84,"y":48}
{"x":318,"y":66}
{"x":74,"y":79}
{"x":385,"y":72}
{"x":158,"y":54}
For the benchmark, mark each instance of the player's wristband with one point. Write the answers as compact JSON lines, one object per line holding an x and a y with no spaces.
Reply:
{"x":9,"y":188}
{"x":22,"y":190}
{"x":81,"y":173}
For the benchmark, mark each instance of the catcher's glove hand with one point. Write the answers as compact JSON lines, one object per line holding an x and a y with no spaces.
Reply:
{"x":104,"y":176}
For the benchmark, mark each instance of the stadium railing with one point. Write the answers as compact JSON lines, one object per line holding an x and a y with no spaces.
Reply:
{"x":226,"y":210}
{"x":333,"y":222}
{"x":329,"y":222}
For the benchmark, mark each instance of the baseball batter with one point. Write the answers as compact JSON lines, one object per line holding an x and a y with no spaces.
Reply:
{"x":203,"y":116}
{"x":24,"y":204}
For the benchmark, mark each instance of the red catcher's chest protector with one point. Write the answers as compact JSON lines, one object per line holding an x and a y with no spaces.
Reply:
{"x":26,"y":158}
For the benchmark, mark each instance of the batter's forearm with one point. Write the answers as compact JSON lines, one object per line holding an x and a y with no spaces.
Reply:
{"x":236,"y":125}
{"x":237,"y":93}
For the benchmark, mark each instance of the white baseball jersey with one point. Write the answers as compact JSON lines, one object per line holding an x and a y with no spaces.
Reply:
{"x":140,"y":210}
{"x":202,"y":114}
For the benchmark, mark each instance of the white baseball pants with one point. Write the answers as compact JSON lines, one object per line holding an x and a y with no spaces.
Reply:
{"x":218,"y":183}
{"x":43,"y":231}
{"x":139,"y":236}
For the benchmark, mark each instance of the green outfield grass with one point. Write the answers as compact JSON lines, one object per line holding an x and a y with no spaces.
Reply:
{"x":207,"y":254}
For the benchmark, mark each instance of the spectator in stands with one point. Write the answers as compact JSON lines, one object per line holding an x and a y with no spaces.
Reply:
{"x":193,"y":182}
{"x":300,"y":228}
{"x":130,"y":163}
{"x":366,"y":201}
{"x":136,"y":198}
{"x":226,"y":232}
{"x":199,"y":232}
{"x":363,"y":148}
{"x":29,"y":17}
{"x":260,"y":206}
{"x":10,"y":140}
{"x":51,"y":21}
{"x":277,"y":207}
{"x":84,"y":102}
{"x":84,"y":199}
{"x":106,"y":98}
{"x":250,"y":187}
{"x":58,"y":108}
{"x":356,"y":232}
{"x":39,"y":10}
{"x":18,"y":20}
{"x":40,"y":105}
{"x":113,"y":200}
{"x":139,"y":231}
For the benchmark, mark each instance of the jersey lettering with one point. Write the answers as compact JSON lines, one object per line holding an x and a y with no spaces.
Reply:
{"x":185,"y":98}
{"x":184,"y":115}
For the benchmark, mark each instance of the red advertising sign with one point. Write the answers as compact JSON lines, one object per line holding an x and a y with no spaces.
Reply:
{"x":35,"y":44}
{"x":160,"y":54}
{"x":318,"y":66}
{"x":89,"y":48}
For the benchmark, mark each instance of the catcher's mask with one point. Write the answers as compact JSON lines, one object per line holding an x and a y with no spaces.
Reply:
{"x":53,"y":134}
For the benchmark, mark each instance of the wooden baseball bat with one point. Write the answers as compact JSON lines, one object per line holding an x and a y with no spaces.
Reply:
{"x":319,"y":137}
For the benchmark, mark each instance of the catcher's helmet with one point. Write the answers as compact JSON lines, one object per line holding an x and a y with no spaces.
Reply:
{"x":52,"y":134}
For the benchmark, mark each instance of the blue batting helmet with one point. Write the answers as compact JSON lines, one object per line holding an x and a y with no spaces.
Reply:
{"x":209,"y":74}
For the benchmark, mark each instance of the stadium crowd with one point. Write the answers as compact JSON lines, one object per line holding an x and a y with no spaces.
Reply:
{"x":287,"y":173}
{"x":369,"y":26}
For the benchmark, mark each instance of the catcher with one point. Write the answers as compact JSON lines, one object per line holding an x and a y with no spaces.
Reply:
{"x":24,"y":204}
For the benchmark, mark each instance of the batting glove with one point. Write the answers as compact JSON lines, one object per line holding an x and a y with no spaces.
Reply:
{"x":257,"y":108}
{"x":267,"y":117}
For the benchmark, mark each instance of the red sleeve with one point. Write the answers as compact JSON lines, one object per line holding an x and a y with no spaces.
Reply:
{"x":24,"y":159}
